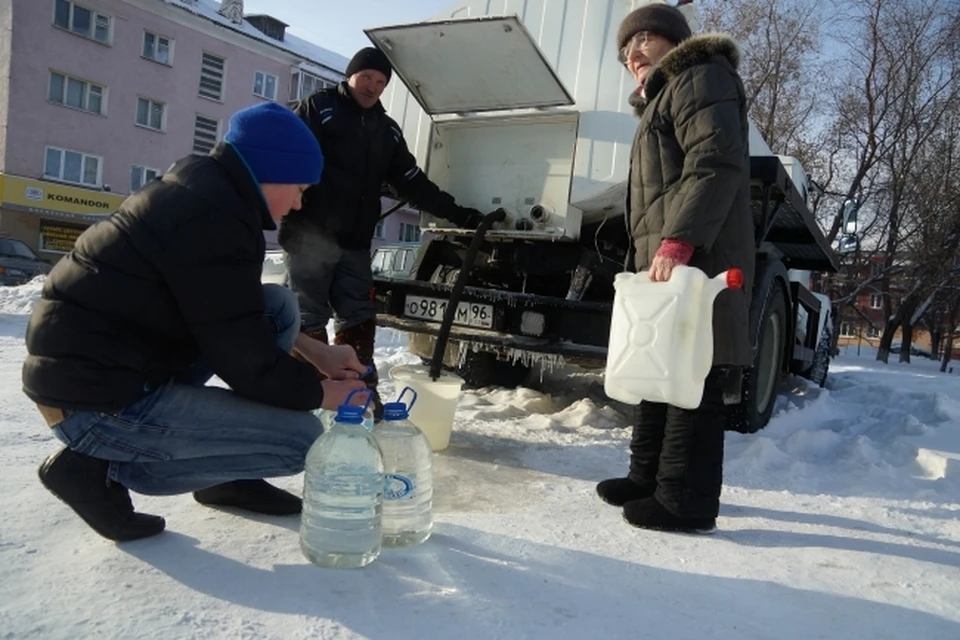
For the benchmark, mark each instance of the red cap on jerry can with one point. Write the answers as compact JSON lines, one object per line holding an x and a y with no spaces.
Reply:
{"x":734,"y":278}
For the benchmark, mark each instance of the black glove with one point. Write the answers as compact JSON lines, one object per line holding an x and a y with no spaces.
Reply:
{"x":469,"y":218}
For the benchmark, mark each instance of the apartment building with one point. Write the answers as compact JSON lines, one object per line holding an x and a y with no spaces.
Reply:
{"x":97,"y":97}
{"x":400,"y":226}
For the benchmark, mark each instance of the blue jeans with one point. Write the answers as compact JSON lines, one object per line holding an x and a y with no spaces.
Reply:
{"x":185,"y":436}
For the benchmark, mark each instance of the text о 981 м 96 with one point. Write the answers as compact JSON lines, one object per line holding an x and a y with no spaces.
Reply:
{"x":471,"y":314}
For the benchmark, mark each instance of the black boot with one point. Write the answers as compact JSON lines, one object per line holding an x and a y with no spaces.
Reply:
{"x":361,"y":337}
{"x":257,"y":496}
{"x":619,"y":491}
{"x":645,"y":445}
{"x":650,"y":514}
{"x":82,"y":483}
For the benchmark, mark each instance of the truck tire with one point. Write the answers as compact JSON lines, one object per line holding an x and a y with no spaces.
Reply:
{"x":761,"y":381}
{"x":482,"y":369}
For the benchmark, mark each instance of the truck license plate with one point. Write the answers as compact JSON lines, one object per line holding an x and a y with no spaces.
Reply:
{"x":471,"y":314}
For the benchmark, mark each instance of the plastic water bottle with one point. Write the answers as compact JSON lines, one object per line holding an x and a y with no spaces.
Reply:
{"x":343,"y":493}
{"x":408,"y":468}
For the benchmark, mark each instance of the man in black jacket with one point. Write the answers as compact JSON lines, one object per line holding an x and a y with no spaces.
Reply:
{"x":154,"y":301}
{"x":327,"y":242}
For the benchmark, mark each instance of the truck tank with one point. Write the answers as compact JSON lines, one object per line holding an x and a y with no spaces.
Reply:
{"x":545,"y":131}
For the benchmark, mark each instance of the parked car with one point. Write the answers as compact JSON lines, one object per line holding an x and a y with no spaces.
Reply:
{"x":18,"y":263}
{"x":273,"y":269}
{"x":394,"y":261}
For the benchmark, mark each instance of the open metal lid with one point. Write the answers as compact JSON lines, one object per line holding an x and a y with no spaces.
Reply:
{"x":471,"y":64}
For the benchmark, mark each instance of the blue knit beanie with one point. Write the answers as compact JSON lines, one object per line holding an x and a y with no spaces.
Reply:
{"x":277,"y":145}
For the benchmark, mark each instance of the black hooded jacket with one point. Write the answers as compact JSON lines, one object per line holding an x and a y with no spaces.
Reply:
{"x":171,"y":279}
{"x":362,"y":150}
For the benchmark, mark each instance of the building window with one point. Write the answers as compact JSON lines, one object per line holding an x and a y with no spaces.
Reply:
{"x":378,"y":231}
{"x":848,"y":330}
{"x":409,"y":232}
{"x":205,"y":132}
{"x":876,"y":301}
{"x":140,"y":176}
{"x":873,"y":332}
{"x":303,"y":84}
{"x":72,"y":166}
{"x":150,"y":114}
{"x":81,"y":21}
{"x":211,"y":77}
{"x":157,"y":48}
{"x":265,"y":85}
{"x":72,"y":92}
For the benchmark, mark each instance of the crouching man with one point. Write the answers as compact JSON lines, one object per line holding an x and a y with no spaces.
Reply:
{"x":154,"y":301}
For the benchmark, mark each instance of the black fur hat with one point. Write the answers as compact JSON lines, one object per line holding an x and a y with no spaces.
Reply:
{"x":662,"y":19}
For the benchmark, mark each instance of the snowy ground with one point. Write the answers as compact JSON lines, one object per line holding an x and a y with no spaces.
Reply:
{"x":839,"y":520}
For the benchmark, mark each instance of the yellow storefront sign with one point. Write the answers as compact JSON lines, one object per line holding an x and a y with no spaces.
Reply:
{"x":49,"y":198}
{"x":57,"y":237}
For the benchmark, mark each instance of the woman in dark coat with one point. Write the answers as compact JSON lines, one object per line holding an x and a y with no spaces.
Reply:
{"x":688,"y":203}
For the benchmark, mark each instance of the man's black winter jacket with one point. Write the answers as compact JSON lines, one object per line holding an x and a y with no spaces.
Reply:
{"x":172,"y":278}
{"x":362,"y":150}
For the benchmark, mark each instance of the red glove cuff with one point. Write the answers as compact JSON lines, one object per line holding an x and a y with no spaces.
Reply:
{"x":675,"y":250}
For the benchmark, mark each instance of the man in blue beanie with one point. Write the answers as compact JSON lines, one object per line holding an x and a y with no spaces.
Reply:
{"x":153,"y":302}
{"x":327,"y":242}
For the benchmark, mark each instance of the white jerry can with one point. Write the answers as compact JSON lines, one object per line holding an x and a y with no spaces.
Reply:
{"x":661,"y":336}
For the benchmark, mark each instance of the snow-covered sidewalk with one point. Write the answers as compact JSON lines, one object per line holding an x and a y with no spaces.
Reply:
{"x":839,"y":520}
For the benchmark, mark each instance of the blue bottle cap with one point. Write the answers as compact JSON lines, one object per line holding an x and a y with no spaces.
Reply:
{"x":353,"y":414}
{"x":350,"y":415}
{"x":395,"y":411}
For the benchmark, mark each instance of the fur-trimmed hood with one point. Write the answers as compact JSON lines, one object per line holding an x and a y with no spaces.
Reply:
{"x":696,"y":50}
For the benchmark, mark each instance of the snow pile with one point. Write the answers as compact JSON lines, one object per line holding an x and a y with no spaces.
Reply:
{"x":867,"y":425}
{"x":20,"y":300}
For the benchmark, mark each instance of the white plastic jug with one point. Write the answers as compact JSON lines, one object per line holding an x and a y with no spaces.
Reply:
{"x":436,"y":404}
{"x":661,"y":336}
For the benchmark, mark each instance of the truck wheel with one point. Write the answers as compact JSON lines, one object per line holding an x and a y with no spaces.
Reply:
{"x":481,"y":369}
{"x":760,"y":383}
{"x":817,"y":373}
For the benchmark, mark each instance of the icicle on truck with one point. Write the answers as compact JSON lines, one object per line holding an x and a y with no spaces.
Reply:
{"x":530,"y":117}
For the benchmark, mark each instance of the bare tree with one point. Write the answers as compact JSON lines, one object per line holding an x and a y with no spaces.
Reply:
{"x":951,"y":328}
{"x":928,"y":99}
{"x":781,"y":45}
{"x":935,"y":247}
{"x":865,"y":94}
{"x":890,"y":48}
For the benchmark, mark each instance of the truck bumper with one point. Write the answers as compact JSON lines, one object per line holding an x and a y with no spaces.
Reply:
{"x":577,"y":331}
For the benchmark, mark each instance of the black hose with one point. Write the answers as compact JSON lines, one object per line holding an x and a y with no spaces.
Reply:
{"x":450,"y":312}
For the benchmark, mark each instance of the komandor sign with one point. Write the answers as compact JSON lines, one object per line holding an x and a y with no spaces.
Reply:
{"x":96,"y":204}
{"x":62,"y":201}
